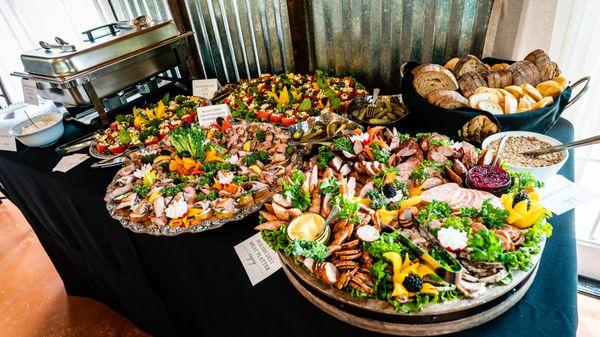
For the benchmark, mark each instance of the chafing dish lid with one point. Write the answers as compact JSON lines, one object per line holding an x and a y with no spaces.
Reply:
{"x":101,"y":50}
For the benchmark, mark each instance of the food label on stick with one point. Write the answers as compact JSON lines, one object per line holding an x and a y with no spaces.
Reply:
{"x":208,"y":115}
{"x":29,"y":92}
{"x":205,"y":88}
{"x":258,"y":259}
{"x":7,"y":142}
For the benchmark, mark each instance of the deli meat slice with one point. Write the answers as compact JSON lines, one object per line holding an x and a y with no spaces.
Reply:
{"x":458,"y":197}
{"x":444,"y":192}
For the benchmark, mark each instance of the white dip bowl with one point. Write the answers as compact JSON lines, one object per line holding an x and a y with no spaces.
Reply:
{"x":50,"y":125}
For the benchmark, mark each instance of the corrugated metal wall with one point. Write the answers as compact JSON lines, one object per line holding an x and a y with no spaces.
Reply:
{"x":240,"y":39}
{"x":371,"y":39}
{"x":236,"y":39}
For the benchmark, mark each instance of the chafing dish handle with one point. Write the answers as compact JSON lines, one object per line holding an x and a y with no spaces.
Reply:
{"x":90,"y":35}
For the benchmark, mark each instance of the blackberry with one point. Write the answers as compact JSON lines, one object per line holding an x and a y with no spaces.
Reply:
{"x":185,"y":154}
{"x":389,"y":190}
{"x":165,"y":152}
{"x":220,"y":121}
{"x":413,"y":283}
{"x":186,"y":125}
{"x":520,"y":197}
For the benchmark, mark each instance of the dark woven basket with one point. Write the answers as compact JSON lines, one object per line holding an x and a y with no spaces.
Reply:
{"x":431,"y":117}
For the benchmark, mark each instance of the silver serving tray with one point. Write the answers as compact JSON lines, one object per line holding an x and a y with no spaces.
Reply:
{"x":205,"y":225}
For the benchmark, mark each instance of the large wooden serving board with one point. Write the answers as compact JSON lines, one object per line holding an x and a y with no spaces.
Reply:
{"x":436,"y":319}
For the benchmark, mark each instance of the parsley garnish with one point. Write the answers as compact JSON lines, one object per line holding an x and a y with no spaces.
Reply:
{"x":141,"y":190}
{"x":323,"y":157}
{"x":343,"y":144}
{"x":293,"y":191}
{"x":434,"y":210}
{"x":309,"y":249}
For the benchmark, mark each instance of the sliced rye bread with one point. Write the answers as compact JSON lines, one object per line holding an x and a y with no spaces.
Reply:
{"x":542,"y":62}
{"x":447,"y":99}
{"x":557,"y":71}
{"x":506,"y":77}
{"x":468,"y":82}
{"x":468,"y":64}
{"x":493,"y":79}
{"x":433,"y":77}
{"x":524,"y":72}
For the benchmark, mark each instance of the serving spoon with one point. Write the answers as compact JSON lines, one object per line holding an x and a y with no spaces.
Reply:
{"x":499,"y":150}
{"x":558,"y":148}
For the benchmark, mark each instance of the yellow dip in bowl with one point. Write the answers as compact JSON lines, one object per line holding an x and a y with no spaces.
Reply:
{"x":308,"y":226}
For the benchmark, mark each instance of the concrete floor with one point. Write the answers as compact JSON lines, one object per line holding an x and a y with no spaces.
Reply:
{"x":33,"y":301}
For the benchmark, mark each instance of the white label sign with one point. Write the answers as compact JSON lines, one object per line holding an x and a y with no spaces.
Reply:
{"x":258,"y":259}
{"x":559,"y":194}
{"x":29,"y":92}
{"x":208,"y":115}
{"x":68,"y":162}
{"x":7,"y":142}
{"x":205,"y":88}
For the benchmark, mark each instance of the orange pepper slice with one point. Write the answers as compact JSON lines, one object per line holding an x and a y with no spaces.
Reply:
{"x":368,"y":151}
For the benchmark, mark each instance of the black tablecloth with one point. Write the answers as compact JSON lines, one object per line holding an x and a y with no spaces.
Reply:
{"x":194,"y":284}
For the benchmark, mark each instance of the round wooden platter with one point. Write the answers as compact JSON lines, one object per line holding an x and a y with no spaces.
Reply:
{"x":380,"y":316}
{"x":411,"y":325}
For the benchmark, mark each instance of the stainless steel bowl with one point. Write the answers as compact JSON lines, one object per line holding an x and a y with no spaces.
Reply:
{"x":362,"y":101}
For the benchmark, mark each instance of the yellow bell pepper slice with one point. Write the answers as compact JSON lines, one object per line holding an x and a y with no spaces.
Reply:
{"x":188,"y":163}
{"x":428,"y":289}
{"x":149,"y":178}
{"x":161,"y":158}
{"x":255,"y":169}
{"x":154,"y":196}
{"x":412,"y":201}
{"x":399,"y":290}
{"x":387,"y":216}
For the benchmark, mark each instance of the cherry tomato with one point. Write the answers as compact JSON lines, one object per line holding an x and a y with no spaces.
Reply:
{"x":262,"y":115}
{"x":114,"y":126}
{"x":275,"y":118}
{"x":287,"y":121}
{"x":151,"y":140}
{"x":116,"y":149}
{"x":101,"y":148}
{"x":163,"y":135}
{"x":187,"y":118}
{"x":226,"y":100}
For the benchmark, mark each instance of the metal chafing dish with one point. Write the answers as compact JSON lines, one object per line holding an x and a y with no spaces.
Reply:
{"x":124,"y":54}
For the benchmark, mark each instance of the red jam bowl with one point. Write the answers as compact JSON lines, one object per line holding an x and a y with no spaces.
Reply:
{"x":493,"y":179}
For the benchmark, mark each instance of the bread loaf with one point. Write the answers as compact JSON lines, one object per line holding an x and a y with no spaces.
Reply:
{"x":506,"y":78}
{"x":493,"y":79}
{"x":421,"y":67}
{"x":447,"y":99}
{"x":524,"y":72}
{"x":451,"y":64}
{"x":468,"y":64}
{"x":557,"y":71}
{"x":469,"y":82}
{"x":433,"y":77}
{"x":542,"y":62}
